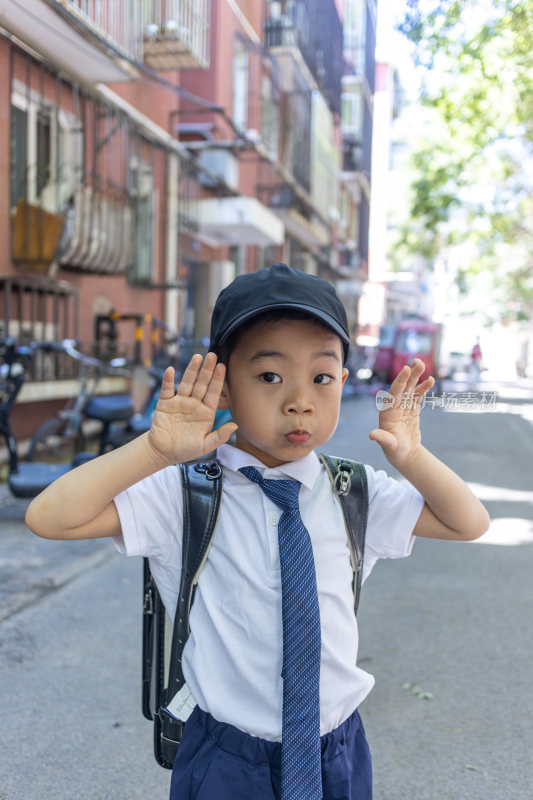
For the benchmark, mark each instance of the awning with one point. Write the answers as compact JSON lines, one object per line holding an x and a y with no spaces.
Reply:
{"x":50,"y":34}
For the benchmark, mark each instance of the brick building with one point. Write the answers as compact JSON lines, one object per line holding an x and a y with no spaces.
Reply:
{"x":152,"y":149}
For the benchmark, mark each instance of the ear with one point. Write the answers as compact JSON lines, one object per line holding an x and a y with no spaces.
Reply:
{"x":344,"y":375}
{"x":224,"y":399}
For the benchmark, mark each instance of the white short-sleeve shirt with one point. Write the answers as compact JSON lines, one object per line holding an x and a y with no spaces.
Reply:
{"x":233,"y":657}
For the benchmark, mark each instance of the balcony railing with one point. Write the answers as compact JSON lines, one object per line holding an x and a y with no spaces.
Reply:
{"x":314,"y":28}
{"x":284,"y":32}
{"x":165,"y":34}
{"x":118,"y":23}
{"x":176,"y":33}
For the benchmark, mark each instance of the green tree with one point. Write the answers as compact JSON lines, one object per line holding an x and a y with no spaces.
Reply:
{"x":473,"y":163}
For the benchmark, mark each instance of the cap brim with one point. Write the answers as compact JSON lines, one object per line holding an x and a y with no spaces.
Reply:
{"x":322,"y":316}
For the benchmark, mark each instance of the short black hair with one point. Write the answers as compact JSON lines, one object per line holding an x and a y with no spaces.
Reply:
{"x":223,"y":351}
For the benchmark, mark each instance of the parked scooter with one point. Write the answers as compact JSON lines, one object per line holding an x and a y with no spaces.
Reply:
{"x":25,"y":479}
{"x":53,"y":450}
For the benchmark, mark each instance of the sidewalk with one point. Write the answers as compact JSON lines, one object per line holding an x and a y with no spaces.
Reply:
{"x":517,"y":389}
{"x":31,"y":567}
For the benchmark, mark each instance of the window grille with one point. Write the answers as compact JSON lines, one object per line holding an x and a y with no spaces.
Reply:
{"x":39,"y":309}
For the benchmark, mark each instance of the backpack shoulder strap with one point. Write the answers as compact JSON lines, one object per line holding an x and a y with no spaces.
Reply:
{"x":202,"y":488}
{"x":349,"y":482}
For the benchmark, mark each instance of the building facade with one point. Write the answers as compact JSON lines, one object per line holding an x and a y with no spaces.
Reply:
{"x":357,"y":127}
{"x":153,"y":149}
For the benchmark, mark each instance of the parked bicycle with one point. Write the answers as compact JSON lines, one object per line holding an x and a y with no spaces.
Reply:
{"x":71,"y":435}
{"x":176,"y":351}
{"x":115,"y":434}
{"x":66,"y":436}
{"x":61,"y":443}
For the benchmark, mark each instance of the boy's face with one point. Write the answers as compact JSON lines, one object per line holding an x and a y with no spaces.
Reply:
{"x":283,"y":387}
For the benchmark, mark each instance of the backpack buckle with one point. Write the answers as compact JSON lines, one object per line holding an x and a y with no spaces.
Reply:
{"x":343,"y":480}
{"x":148,"y":602}
{"x":212,"y":471}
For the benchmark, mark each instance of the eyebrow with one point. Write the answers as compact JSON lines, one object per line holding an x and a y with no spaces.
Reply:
{"x":261,"y":354}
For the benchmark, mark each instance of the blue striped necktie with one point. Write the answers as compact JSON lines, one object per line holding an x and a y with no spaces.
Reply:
{"x":301,"y":774}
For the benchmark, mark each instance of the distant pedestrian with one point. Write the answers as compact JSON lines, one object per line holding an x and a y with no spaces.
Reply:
{"x":476,"y":358}
{"x":279,"y":342}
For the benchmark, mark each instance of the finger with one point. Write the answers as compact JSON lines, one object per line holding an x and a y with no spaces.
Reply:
{"x":189,"y":376}
{"x":386,"y":439}
{"x":417,"y":370}
{"x":167,"y":384}
{"x":397,"y":387}
{"x":214,"y":389}
{"x":221,"y":435}
{"x":204,"y":376}
{"x":425,"y":386}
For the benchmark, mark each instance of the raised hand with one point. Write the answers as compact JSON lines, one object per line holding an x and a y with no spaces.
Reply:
{"x":399,"y":421}
{"x":182,"y":424}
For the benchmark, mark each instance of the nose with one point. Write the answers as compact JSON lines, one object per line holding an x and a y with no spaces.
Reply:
{"x":297,"y":401}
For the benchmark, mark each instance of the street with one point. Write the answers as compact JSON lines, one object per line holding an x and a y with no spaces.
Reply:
{"x":446,"y":633}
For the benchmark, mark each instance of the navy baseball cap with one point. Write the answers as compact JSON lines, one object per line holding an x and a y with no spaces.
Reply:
{"x":277,"y":287}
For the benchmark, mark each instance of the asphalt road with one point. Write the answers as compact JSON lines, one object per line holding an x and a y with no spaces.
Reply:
{"x":446,"y":632}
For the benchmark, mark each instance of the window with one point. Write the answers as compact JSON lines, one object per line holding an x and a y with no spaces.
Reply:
{"x":240,"y":84}
{"x":270,"y":118}
{"x":19,"y":153}
{"x":142,"y":264}
{"x":414,"y":342}
{"x":343,"y":210}
{"x":237,"y":255}
{"x":354,"y":36}
{"x":352,"y":112}
{"x":32,"y":152}
{"x":46,"y":151}
{"x":144,"y":209}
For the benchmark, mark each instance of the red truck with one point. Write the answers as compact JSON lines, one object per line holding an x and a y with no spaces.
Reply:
{"x":401,"y":344}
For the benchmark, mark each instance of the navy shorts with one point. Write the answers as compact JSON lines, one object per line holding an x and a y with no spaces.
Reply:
{"x":216,"y":761}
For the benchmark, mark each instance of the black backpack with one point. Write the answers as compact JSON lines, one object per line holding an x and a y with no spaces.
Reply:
{"x":163,"y":642}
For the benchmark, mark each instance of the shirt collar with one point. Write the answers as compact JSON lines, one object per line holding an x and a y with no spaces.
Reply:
{"x":305,"y":470}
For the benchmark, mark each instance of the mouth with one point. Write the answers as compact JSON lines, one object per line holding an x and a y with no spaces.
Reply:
{"x":298,"y":437}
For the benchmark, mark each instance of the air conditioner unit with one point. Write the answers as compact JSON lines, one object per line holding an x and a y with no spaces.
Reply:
{"x":222,"y":166}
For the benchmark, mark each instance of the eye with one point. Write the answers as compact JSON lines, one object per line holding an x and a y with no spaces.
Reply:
{"x":270,"y":377}
{"x":322,"y":379}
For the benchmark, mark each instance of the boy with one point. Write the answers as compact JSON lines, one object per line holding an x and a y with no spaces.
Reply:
{"x":276,"y":712}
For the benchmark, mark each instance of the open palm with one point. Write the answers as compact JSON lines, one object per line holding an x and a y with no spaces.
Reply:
{"x":399,"y":421}
{"x":182,"y":424}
